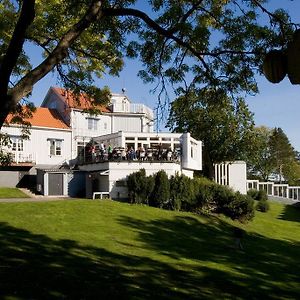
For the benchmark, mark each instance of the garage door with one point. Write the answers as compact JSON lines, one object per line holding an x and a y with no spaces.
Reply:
{"x":55,"y":185}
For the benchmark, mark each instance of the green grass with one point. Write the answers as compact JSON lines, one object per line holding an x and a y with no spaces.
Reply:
{"x":86,"y":249}
{"x":11,"y":193}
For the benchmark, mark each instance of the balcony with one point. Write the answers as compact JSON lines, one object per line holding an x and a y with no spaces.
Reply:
{"x":20,"y":158}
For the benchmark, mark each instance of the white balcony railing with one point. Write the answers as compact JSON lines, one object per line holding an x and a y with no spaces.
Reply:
{"x":19,"y":157}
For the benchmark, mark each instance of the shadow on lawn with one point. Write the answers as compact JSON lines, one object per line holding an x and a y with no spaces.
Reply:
{"x":37,"y":267}
{"x":266,"y":268}
{"x":291,"y":212}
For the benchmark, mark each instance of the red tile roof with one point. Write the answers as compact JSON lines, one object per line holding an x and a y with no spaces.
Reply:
{"x":81,"y":102}
{"x":44,"y":117}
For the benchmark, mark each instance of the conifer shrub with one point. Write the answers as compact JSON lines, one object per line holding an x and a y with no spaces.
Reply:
{"x":241,"y":208}
{"x":262,"y":195}
{"x":140,"y":186}
{"x":204,"y":197}
{"x":160,"y":195}
{"x":181,"y":192}
{"x":252,"y":193}
{"x":257,"y":194}
{"x":262,"y":205}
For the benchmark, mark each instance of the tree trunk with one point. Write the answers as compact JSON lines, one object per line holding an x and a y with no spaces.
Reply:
{"x":208,"y":166}
{"x":6,"y":108}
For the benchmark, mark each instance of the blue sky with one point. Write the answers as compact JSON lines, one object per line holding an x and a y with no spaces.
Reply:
{"x":277,"y":105}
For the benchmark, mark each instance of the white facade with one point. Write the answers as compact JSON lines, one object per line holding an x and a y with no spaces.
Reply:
{"x":232,"y":174}
{"x":45,"y":146}
{"x":122,"y":124}
{"x":123,"y":115}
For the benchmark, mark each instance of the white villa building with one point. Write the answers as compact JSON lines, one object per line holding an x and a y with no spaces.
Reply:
{"x":60,"y":148}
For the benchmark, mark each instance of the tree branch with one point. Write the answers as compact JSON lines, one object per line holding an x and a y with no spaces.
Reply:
{"x":152,"y":24}
{"x":15,"y":46}
{"x":24,"y":86}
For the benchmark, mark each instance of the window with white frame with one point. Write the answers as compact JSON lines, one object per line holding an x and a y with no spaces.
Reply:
{"x":17,"y":143}
{"x":92,"y":123}
{"x":55,"y":147}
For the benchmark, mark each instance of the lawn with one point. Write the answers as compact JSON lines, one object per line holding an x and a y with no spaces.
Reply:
{"x":85,"y":249}
{"x":11,"y":193}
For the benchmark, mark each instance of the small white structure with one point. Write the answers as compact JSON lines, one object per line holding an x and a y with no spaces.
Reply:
{"x":232,"y":174}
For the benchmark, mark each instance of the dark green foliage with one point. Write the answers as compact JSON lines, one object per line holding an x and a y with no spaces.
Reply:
{"x":161,"y":193}
{"x":262,"y":205}
{"x":262,"y":195}
{"x":180,"y":192}
{"x":139,"y":186}
{"x":241,"y":208}
{"x":252,"y":193}
{"x":257,"y":194}
{"x":203,"y":194}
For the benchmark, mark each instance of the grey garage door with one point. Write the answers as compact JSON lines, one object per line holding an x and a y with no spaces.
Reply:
{"x":55,"y":185}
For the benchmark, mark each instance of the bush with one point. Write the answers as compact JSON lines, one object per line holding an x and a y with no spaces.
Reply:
{"x":222,"y":195}
{"x":160,"y":195}
{"x":252,"y":193}
{"x":257,"y":194}
{"x":204,"y":198}
{"x":262,"y":195}
{"x":139,"y":187}
{"x":262,"y":205}
{"x":241,"y":208}
{"x":182,"y":192}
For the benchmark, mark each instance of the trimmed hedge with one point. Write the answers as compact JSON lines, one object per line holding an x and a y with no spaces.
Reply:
{"x":180,"y":192}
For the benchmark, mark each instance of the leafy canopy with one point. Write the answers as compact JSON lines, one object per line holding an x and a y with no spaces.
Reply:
{"x":225,"y":126}
{"x":214,"y":43}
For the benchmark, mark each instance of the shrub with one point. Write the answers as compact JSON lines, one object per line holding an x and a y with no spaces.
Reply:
{"x":257,"y":194}
{"x":241,"y":207}
{"x":222,"y":195}
{"x":181,"y":192}
{"x":262,"y":205}
{"x":160,"y":195}
{"x":203,"y":195}
{"x":252,"y":193}
{"x":262,"y":195}
{"x":139,"y":186}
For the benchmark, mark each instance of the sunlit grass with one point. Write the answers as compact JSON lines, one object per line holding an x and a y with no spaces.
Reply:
{"x":11,"y":193}
{"x":103,"y":249}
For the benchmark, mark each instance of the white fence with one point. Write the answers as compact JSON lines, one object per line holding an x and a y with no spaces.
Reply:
{"x":276,"y":189}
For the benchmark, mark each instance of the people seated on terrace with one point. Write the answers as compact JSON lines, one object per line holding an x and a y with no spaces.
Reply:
{"x":123,"y":153}
{"x":131,"y":154}
{"x":109,"y":151}
{"x":141,"y":153}
{"x":169,"y":154}
{"x":149,"y":154}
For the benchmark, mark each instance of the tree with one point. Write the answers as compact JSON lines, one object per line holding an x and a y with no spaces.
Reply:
{"x":216,"y":43}
{"x":260,"y":163}
{"x":224,"y":126}
{"x":274,"y":155}
{"x":282,"y":152}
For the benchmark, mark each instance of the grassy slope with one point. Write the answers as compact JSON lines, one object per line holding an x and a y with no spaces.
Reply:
{"x":104,"y":249}
{"x":11,"y":193}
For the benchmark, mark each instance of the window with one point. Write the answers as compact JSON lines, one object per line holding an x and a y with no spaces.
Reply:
{"x":55,"y":147}
{"x":92,"y":123}
{"x":17,"y":144}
